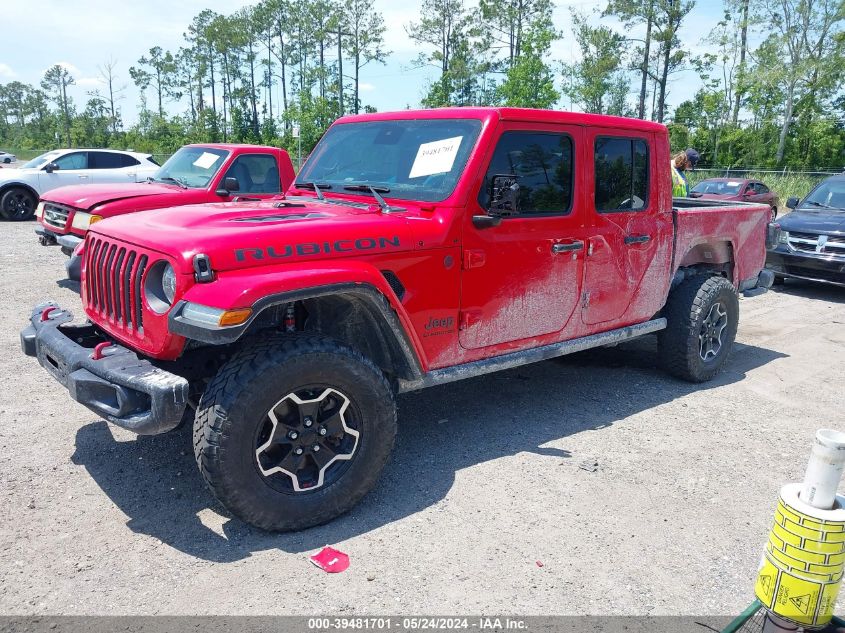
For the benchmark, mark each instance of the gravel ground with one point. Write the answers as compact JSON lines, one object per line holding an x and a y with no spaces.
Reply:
{"x":592,"y":484}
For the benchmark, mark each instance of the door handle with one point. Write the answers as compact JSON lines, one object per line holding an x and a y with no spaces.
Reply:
{"x":637,"y":239}
{"x":83,"y":177}
{"x":566,"y":248}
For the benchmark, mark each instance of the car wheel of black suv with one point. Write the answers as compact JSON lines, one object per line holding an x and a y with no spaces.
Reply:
{"x":17,"y":204}
{"x":702,"y":314}
{"x":294,"y":430}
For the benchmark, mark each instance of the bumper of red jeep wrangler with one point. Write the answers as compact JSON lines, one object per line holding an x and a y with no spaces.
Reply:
{"x":111,"y":380}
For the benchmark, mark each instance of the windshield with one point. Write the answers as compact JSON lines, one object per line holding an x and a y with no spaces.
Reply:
{"x":723,"y":187}
{"x":192,"y":166}
{"x":829,"y":194}
{"x":38,"y":161}
{"x":409,"y":160}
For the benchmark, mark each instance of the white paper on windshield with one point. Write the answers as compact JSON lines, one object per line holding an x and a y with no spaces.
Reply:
{"x":732,"y":183}
{"x":206,"y":160}
{"x":436,"y":157}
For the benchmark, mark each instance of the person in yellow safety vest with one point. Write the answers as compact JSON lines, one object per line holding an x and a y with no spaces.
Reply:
{"x":683,"y":162}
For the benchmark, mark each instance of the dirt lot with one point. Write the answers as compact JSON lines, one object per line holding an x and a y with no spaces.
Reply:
{"x":637,"y":493}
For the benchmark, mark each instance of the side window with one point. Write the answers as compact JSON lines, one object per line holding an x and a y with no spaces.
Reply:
{"x":109,"y":160}
{"x":761,"y":188}
{"x":542,"y":164}
{"x":622,"y":174}
{"x":76,"y":160}
{"x":256,"y":173}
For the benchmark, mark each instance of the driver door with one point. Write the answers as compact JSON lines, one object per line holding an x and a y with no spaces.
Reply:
{"x":73,"y":170}
{"x":522,"y":278}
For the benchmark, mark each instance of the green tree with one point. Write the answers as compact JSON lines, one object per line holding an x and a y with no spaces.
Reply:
{"x":56,"y":80}
{"x":364,"y":41}
{"x":633,"y":13}
{"x":597,"y":82}
{"x":529,"y":82}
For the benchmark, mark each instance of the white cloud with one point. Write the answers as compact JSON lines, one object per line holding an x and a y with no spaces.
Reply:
{"x":89,"y":82}
{"x":363,"y":86}
{"x":6,"y":71}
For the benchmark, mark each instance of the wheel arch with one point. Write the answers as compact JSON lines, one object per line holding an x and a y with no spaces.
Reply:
{"x":355,"y":314}
{"x":6,"y":186}
{"x":713,"y":256}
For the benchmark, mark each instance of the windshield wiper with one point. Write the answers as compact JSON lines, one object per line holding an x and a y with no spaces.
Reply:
{"x":382,"y":203}
{"x":316,"y":186}
{"x":173,"y":180}
{"x":819,"y":204}
{"x":367,"y":188}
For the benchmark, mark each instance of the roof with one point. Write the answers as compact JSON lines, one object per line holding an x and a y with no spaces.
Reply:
{"x":730,"y":180}
{"x":512,"y":114}
{"x":229,"y":146}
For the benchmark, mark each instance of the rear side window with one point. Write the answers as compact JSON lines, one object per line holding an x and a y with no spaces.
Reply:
{"x":542,"y":164}
{"x":110,"y":160}
{"x":622,"y":174}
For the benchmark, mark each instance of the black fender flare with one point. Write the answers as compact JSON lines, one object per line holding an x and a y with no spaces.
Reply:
{"x":402,"y":349}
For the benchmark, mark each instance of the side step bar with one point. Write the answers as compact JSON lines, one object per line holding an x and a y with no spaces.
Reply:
{"x":524,"y":357}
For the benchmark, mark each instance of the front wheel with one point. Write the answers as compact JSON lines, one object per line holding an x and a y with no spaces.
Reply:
{"x":294,"y":431}
{"x":17,"y":204}
{"x":702,"y":316}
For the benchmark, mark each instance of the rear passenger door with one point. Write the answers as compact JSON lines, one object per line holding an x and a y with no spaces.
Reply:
{"x":522,"y":278}
{"x":112,"y":167}
{"x":625,"y":235}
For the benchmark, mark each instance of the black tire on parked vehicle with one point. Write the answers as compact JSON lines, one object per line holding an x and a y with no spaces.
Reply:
{"x":774,"y":213}
{"x":293,"y":431}
{"x":7,"y":160}
{"x":17,"y":204}
{"x":702,"y":315}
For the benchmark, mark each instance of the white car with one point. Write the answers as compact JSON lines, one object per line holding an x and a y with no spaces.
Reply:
{"x":21,"y":188}
{"x":6,"y":158}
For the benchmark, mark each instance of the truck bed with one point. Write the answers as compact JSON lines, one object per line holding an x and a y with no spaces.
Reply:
{"x":721,"y":232}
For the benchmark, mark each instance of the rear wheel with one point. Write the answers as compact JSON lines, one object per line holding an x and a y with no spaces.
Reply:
{"x":17,"y":204}
{"x":702,"y":317}
{"x":294,"y":431}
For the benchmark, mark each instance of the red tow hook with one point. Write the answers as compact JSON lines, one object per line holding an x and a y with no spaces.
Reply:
{"x":45,"y":313}
{"x":98,"y":350}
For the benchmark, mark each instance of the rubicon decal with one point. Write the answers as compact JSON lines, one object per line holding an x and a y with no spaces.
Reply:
{"x":316,"y":248}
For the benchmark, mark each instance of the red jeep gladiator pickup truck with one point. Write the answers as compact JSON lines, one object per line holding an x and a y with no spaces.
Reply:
{"x":195,"y":174}
{"x":415,"y":249}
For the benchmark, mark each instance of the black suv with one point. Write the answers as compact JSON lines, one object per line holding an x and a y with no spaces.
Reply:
{"x":810,"y":241}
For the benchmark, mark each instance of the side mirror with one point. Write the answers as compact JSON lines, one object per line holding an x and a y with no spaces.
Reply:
{"x":792,"y":202}
{"x":230,"y":186}
{"x":51,"y":167}
{"x":504,"y":195}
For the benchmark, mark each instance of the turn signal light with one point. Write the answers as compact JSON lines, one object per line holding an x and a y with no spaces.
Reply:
{"x":94,"y":218}
{"x":234,"y":317}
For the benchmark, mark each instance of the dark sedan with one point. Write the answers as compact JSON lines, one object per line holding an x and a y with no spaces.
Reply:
{"x":739,"y":189}
{"x":811,"y":240}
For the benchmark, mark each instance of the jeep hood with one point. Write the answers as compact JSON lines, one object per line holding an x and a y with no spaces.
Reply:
{"x":812,"y":221}
{"x":239,"y":235}
{"x":88,"y":196}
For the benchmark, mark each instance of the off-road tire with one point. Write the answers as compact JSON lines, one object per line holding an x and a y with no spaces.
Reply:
{"x":17,"y":204}
{"x":686,"y":310}
{"x":236,"y":402}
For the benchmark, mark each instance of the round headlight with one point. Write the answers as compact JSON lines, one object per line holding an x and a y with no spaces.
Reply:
{"x":160,"y":286}
{"x":168,"y":283}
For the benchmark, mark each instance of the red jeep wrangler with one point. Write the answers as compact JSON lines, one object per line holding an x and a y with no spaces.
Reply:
{"x":193,"y":175}
{"x":416,"y":248}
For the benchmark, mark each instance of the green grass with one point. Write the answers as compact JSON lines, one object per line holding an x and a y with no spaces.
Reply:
{"x":785,"y":185}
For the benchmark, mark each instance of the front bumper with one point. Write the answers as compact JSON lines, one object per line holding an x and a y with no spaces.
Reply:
{"x":123,"y":388}
{"x":819,"y":268}
{"x":45,"y":237}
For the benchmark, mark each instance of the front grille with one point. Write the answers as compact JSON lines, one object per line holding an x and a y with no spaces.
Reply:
{"x":113,"y":282}
{"x":817,"y":244}
{"x":56,"y":215}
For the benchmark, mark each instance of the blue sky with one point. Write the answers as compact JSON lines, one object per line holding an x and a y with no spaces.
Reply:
{"x":85,"y":33}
